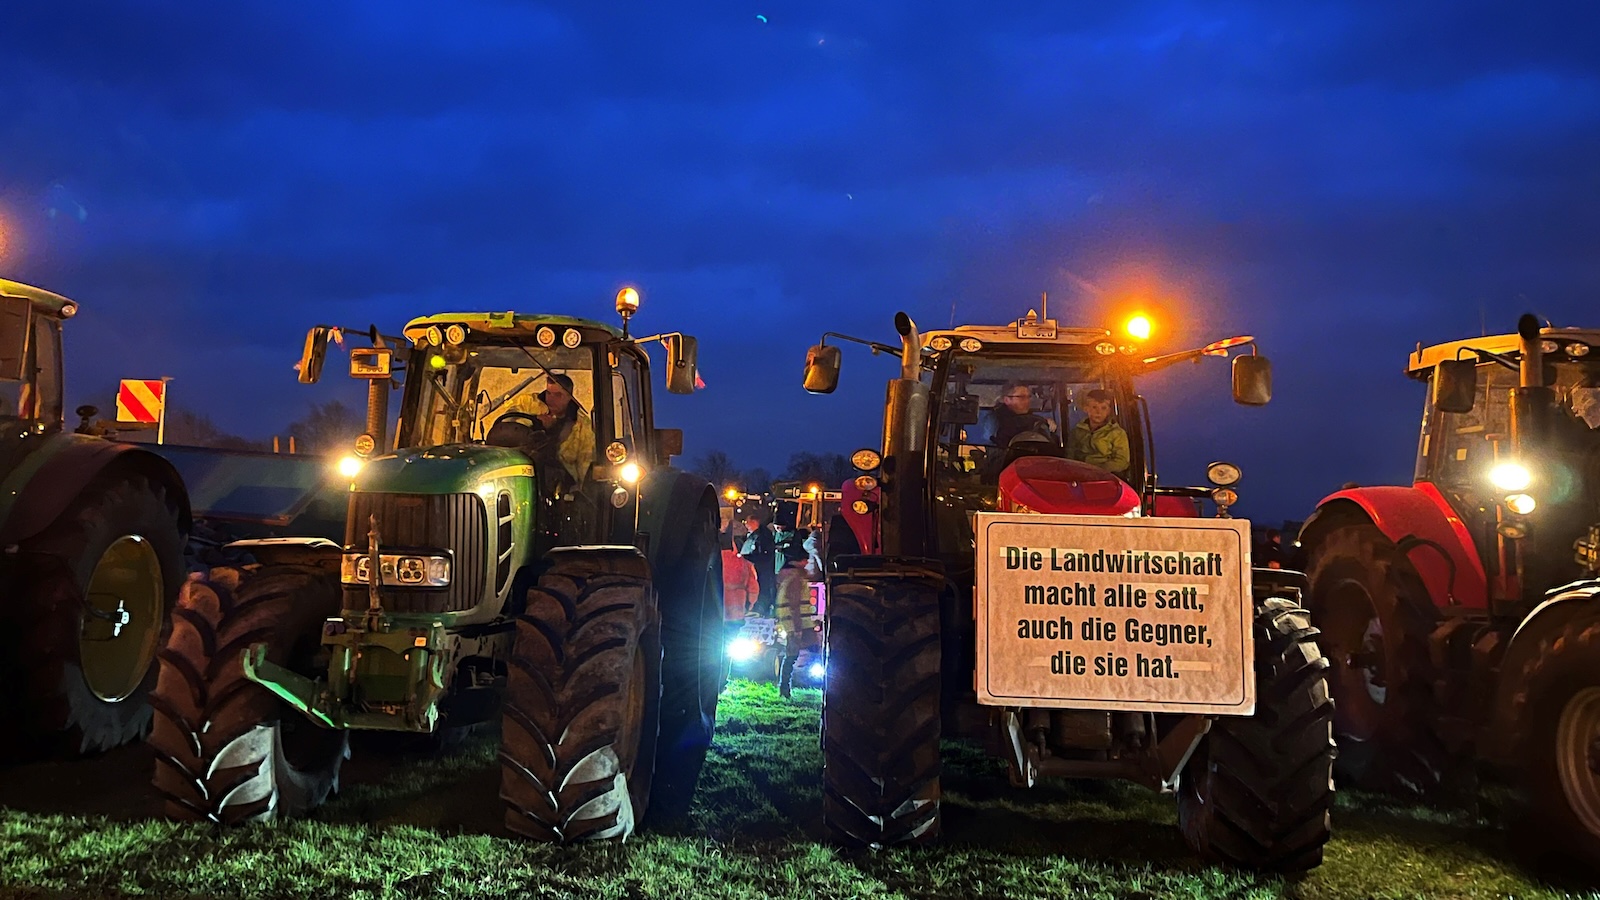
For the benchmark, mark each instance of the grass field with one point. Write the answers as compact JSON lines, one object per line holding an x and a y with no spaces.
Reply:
{"x":429,"y":827}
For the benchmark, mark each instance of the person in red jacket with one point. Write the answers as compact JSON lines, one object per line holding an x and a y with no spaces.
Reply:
{"x":739,"y":584}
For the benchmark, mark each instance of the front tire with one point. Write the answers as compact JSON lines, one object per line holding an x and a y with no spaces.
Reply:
{"x":1559,"y":739}
{"x":582,"y":704}
{"x":880,"y":710}
{"x":1258,"y":791}
{"x":227,"y":750}
{"x":1375,"y":618}
{"x":93,"y":595}
{"x":693,"y":671}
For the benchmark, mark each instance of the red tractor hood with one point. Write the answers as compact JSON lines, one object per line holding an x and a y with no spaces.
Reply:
{"x":1045,"y":484}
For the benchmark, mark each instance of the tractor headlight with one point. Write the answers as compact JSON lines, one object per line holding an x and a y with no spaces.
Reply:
{"x":860,"y":507}
{"x":1222,"y":474}
{"x":1510,"y":476}
{"x":817,"y":670}
{"x":866,"y":459}
{"x":616,"y":453}
{"x":350,"y":466}
{"x":743,"y":649}
{"x":866,"y":483}
{"x":1521,"y":504}
{"x":396,"y":570}
{"x":630,"y":473}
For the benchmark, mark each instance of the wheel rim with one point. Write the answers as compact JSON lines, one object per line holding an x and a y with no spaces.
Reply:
{"x":1360,"y":659}
{"x":1578,"y":756}
{"x":122,"y":618}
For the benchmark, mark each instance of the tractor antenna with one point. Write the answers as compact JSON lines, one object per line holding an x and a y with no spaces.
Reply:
{"x":952,"y":314}
{"x":1044,"y":305}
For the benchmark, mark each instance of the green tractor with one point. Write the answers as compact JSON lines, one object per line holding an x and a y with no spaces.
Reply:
{"x":526,"y":555}
{"x":93,"y":533}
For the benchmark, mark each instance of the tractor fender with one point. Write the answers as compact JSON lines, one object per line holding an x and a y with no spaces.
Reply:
{"x":1420,"y":522}
{"x":51,"y":477}
{"x":667,"y":498}
{"x":1559,"y":607}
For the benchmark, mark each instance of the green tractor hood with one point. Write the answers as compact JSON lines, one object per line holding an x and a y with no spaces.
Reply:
{"x":448,"y":469}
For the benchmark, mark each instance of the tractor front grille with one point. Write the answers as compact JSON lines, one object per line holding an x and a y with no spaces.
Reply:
{"x":454,"y":522}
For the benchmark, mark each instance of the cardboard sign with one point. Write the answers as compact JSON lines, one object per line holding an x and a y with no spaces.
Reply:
{"x":1088,"y":612}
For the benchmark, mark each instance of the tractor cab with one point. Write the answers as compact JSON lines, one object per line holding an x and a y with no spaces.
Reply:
{"x":1035,"y":417}
{"x":1542,"y":491}
{"x":30,"y":365}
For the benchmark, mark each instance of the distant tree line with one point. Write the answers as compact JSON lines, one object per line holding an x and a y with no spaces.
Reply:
{"x":717,"y":467}
{"x":330,"y":427}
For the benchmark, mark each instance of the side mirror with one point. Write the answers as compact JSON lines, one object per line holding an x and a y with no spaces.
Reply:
{"x":682,"y":356}
{"x":822,"y":369}
{"x":13,"y":336}
{"x":1252,"y":380}
{"x":669,"y":443}
{"x":1455,"y":385}
{"x":315,"y":352}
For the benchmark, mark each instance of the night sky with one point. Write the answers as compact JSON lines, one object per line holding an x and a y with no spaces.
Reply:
{"x":1341,"y":180}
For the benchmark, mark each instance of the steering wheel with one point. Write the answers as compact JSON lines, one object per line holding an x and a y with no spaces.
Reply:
{"x":524,"y":418}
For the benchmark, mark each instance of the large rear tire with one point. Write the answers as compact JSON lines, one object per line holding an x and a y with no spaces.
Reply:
{"x":693,"y":671}
{"x":1259,"y":789}
{"x":583,"y":699}
{"x":1375,"y":618}
{"x":880,"y":710}
{"x":226,"y":749}
{"x":1559,"y":737}
{"x":90,"y":610}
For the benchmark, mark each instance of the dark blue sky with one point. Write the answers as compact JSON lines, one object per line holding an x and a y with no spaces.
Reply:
{"x":1341,"y":180}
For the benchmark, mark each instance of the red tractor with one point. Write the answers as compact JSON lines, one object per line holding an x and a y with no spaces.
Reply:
{"x":1461,"y":612}
{"x":1008,"y":570}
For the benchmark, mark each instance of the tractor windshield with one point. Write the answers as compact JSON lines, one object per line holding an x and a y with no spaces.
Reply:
{"x":1458,"y":449}
{"x":459,"y":403}
{"x":993,"y":405}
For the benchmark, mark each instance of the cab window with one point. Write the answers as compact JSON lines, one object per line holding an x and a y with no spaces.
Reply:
{"x":627,"y":400}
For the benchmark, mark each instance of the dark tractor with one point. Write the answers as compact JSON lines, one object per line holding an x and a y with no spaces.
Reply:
{"x":527,"y":555}
{"x":1462,"y":613}
{"x":1037,"y":590}
{"x":93,"y":533}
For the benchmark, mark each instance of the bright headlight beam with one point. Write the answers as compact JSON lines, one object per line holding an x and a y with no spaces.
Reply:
{"x":350,"y":466}
{"x":743,"y":649}
{"x":1510,"y":476}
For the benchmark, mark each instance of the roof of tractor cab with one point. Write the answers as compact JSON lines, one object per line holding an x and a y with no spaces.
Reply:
{"x":43,"y":300}
{"x":503,"y":324}
{"x":1423,"y":359}
{"x":1030,"y":330}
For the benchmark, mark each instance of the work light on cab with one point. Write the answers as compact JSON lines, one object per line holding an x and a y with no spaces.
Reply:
{"x":1138,"y":327}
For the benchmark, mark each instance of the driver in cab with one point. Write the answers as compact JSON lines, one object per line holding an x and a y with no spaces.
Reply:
{"x":549,"y":426}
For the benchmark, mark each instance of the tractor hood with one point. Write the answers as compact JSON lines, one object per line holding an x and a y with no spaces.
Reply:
{"x":1045,"y":484}
{"x":447,"y":469}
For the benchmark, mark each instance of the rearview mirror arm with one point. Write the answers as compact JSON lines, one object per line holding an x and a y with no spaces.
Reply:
{"x":1157,"y":363}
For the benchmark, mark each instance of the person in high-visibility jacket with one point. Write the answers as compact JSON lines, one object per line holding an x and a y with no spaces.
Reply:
{"x":797,"y":611}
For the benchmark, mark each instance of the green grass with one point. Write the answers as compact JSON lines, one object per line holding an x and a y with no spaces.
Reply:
{"x":413,"y":826}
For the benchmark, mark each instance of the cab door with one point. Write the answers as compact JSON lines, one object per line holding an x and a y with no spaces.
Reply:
{"x":629,"y":426}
